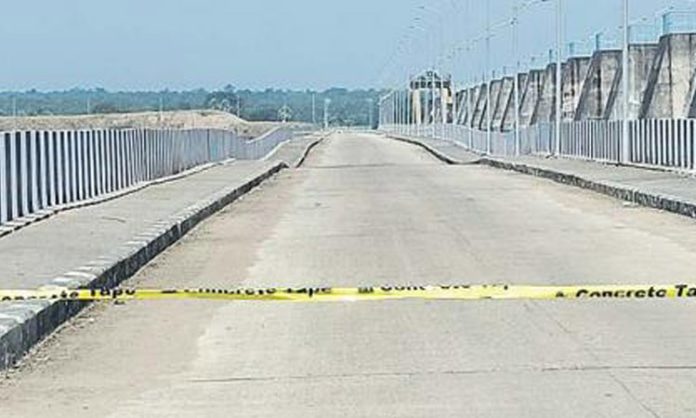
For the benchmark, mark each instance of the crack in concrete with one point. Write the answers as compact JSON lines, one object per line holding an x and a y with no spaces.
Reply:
{"x":559,"y":369}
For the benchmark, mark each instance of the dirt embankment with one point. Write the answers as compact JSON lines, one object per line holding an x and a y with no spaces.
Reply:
{"x":202,"y":119}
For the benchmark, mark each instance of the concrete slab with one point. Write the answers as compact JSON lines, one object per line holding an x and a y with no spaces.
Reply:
{"x":366,"y":210}
{"x":102,"y":245}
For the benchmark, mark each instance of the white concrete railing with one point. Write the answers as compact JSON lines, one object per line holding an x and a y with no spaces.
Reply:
{"x":261,"y":146}
{"x":659,"y":143}
{"x":46,"y":169}
{"x":664,"y":143}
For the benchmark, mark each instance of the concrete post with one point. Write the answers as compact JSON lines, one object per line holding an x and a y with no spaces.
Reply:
{"x":80,"y":160}
{"x":92,"y":162}
{"x":43,"y":168}
{"x":61,"y":168}
{"x":25,"y":172}
{"x":32,"y":172}
{"x":15,"y":182}
{"x":4,"y":189}
{"x":52,"y":169}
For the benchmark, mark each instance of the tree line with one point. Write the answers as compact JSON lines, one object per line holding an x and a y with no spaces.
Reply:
{"x":346,"y":107}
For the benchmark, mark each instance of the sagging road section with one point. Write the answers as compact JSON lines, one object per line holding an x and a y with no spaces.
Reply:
{"x":366,"y":210}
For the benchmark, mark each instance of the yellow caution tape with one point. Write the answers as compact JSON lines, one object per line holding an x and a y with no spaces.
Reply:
{"x":347,"y":294}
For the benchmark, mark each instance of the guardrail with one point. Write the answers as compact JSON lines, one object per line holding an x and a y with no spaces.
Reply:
{"x":656,"y":143}
{"x":47,"y":169}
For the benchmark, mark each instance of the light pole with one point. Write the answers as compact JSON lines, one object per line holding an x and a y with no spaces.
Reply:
{"x":470,"y":100}
{"x":408,"y":107}
{"x":14,"y":113}
{"x":559,"y":74}
{"x":402,"y":110}
{"x":625,"y":141}
{"x":395,"y":99}
{"x":327,"y":101}
{"x":422,"y":105}
{"x":369,"y":113}
{"x":431,"y":98}
{"x":443,"y":102}
{"x":488,"y":79}
{"x":161,"y":110}
{"x":404,"y":98}
{"x":515,"y":46}
{"x":455,"y":106}
{"x":399,"y":112}
{"x":471,"y":108}
{"x":517,"y":9}
{"x":436,"y":41}
{"x":314,"y":109}
{"x":383,"y":111}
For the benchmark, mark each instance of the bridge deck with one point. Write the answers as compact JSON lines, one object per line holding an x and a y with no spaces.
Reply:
{"x":31,"y":257}
{"x":368,"y":210}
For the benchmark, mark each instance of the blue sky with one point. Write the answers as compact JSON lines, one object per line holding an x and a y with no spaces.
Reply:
{"x":156,"y":44}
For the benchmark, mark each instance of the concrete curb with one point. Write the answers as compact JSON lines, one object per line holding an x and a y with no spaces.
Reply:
{"x":667,"y":203}
{"x":23,"y":324}
{"x":25,"y":221}
{"x":308,"y":150}
{"x":437,"y":154}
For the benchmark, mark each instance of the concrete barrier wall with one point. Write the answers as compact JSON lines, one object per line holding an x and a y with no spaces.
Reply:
{"x":470,"y":104}
{"x":491,"y":104}
{"x":508,"y":122}
{"x":574,"y":75}
{"x":640,"y":60}
{"x":47,"y":169}
{"x":603,"y":76}
{"x":546,"y":106}
{"x":480,"y":107}
{"x":531,"y":94}
{"x":503,"y":97}
{"x":670,"y":89}
{"x":662,"y":85}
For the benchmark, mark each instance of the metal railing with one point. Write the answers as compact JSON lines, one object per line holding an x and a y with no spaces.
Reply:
{"x":656,"y":143}
{"x":665,"y":143}
{"x":47,"y":169}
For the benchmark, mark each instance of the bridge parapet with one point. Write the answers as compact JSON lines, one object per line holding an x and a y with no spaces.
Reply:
{"x":44,"y":171}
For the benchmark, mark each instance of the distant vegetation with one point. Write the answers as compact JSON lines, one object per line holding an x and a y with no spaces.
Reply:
{"x":347,"y":107}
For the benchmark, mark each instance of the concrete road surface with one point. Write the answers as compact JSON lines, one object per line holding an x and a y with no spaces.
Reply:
{"x":367,"y":210}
